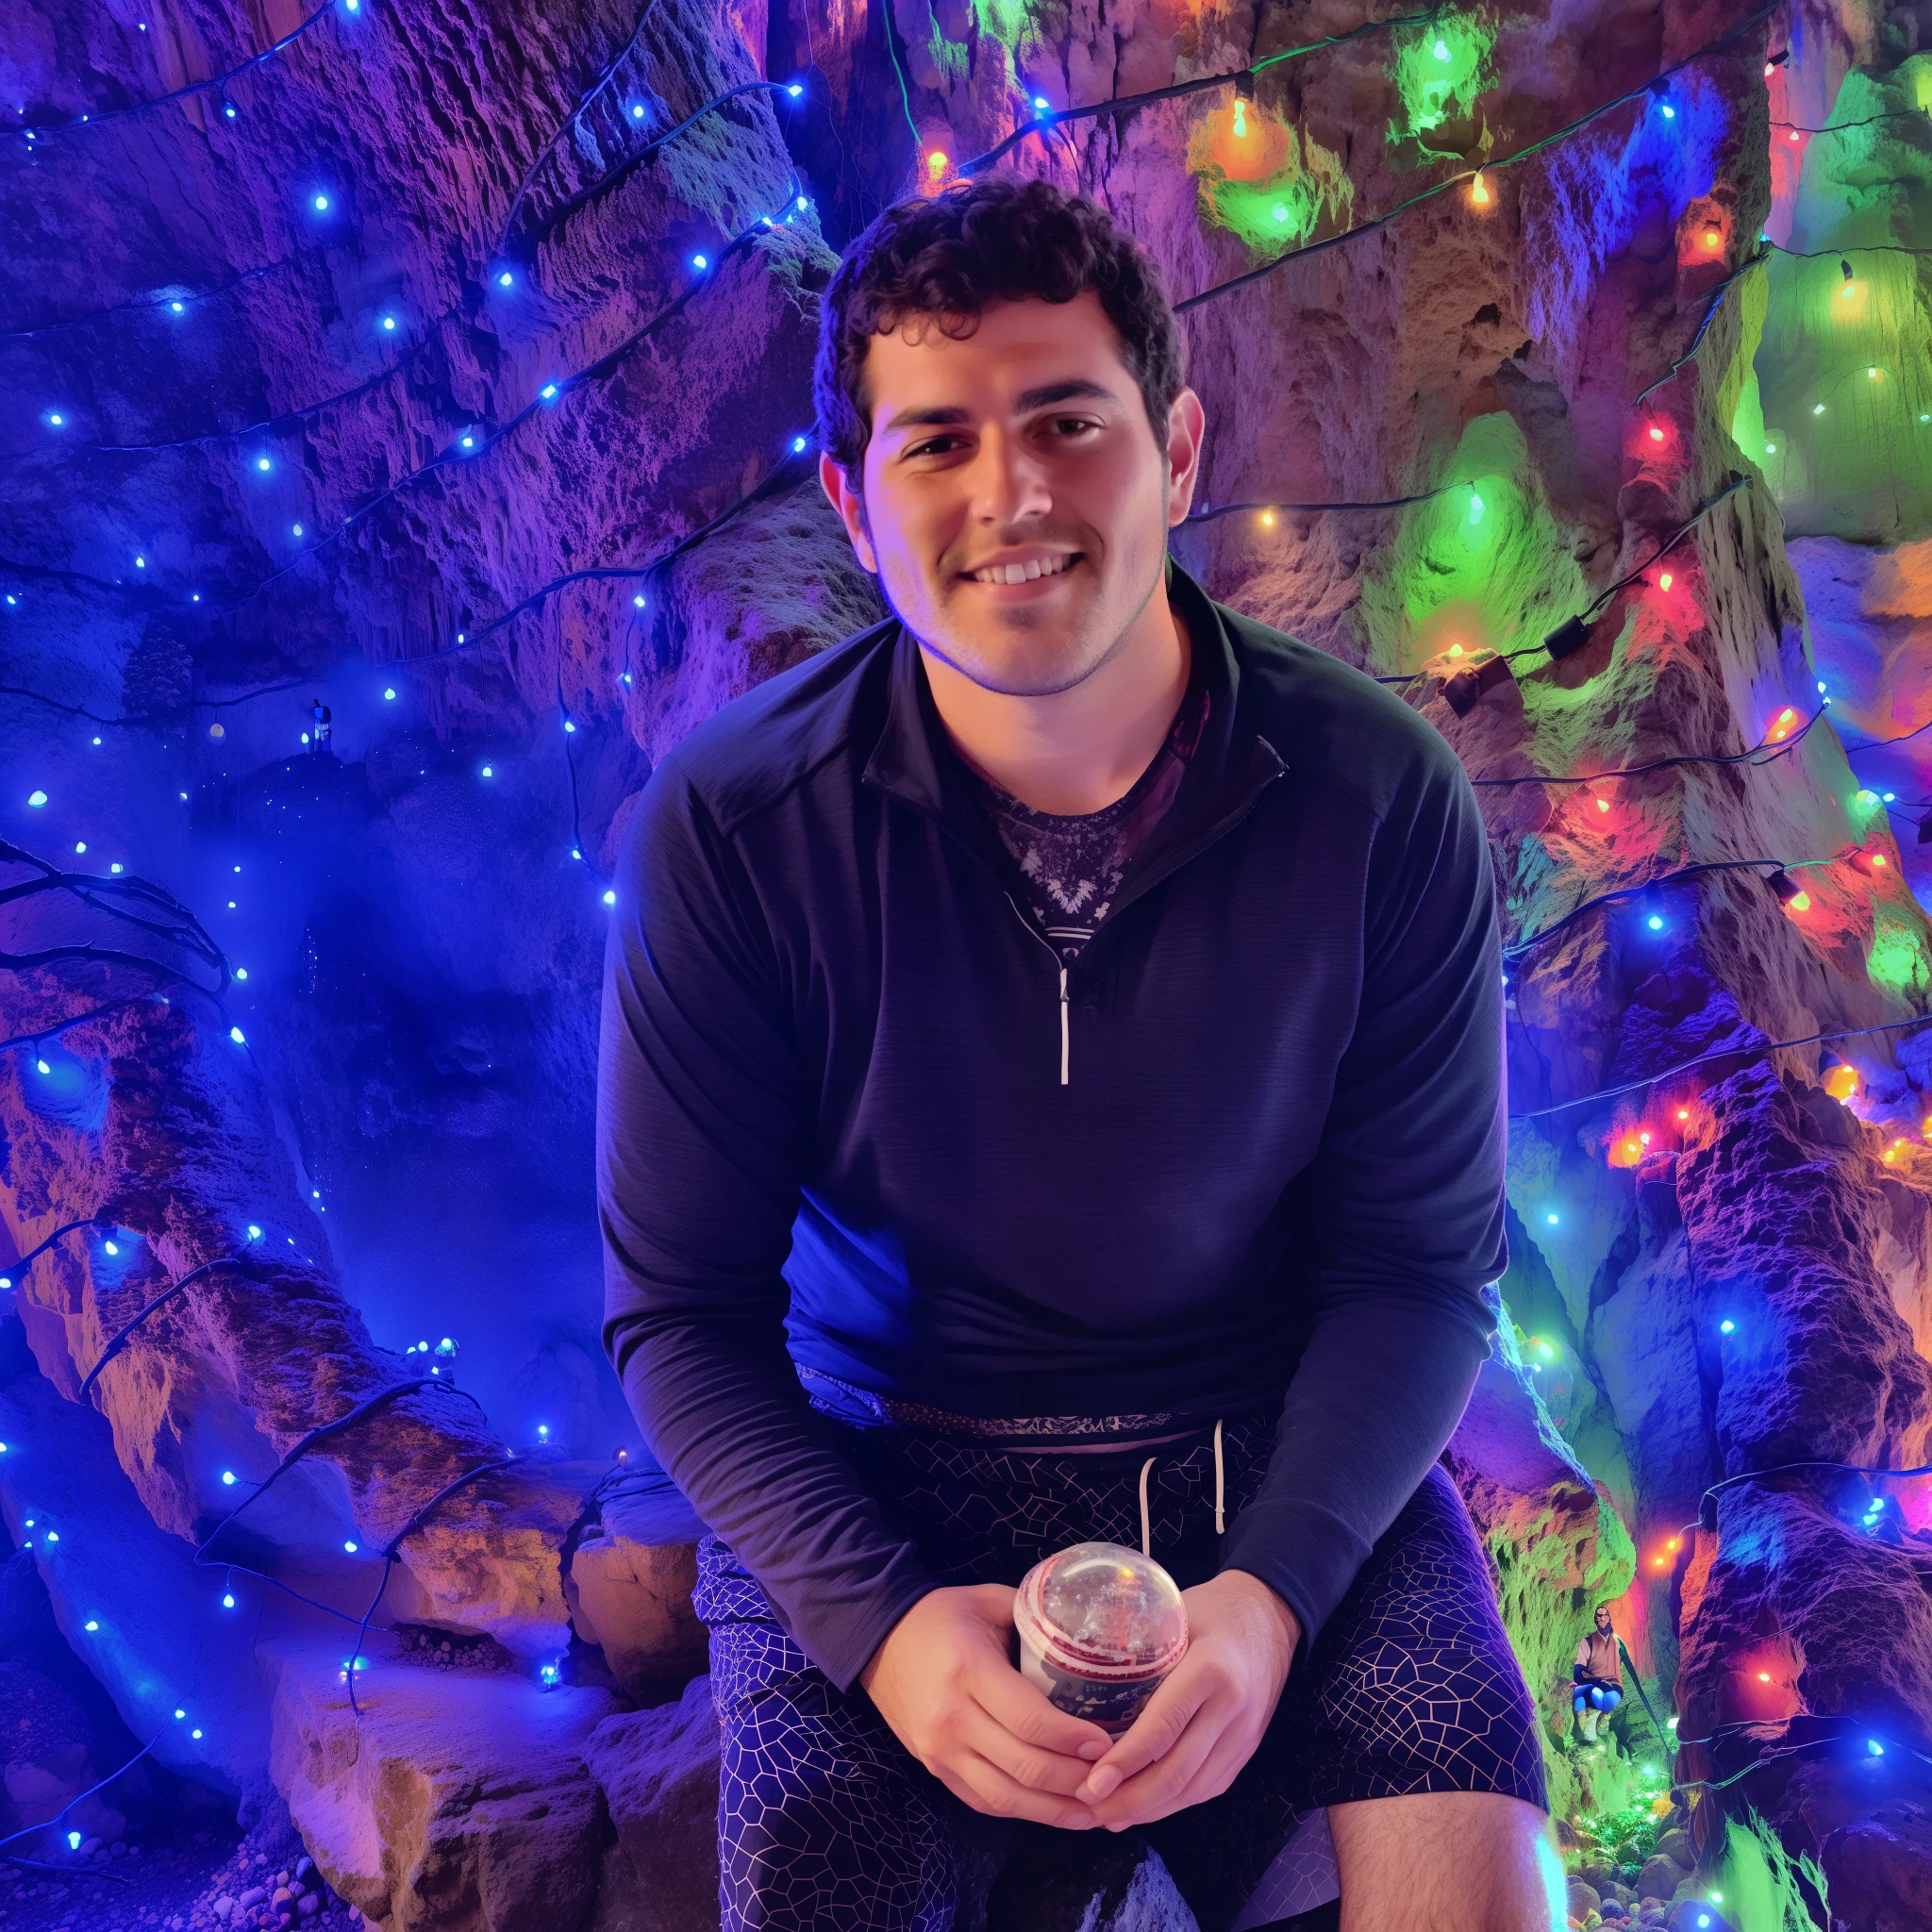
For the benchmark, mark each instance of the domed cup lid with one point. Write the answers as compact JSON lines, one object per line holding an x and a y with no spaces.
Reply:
{"x":1102,"y":1609}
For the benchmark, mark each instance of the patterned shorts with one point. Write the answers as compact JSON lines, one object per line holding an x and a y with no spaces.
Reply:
{"x":824,"y":1819}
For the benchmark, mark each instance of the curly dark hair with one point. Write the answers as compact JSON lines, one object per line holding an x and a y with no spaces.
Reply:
{"x":954,"y":254}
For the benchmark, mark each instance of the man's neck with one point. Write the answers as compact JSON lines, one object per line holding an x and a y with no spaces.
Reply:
{"x":1076,"y":750}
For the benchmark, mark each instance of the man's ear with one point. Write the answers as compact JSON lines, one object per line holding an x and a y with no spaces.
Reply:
{"x":851,"y":507}
{"x":1187,"y":430}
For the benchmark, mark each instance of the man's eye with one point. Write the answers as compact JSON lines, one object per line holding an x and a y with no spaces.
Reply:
{"x":1074,"y":423}
{"x":921,"y":449}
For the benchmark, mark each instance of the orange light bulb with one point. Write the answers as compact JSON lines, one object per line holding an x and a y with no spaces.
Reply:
{"x":1479,"y":191}
{"x":1603,"y":805}
{"x":1663,"y":583}
{"x":1240,"y":120}
{"x":1712,"y":239}
{"x":1266,"y":519}
{"x":936,"y":164}
{"x":1683,"y":1113}
{"x":1801,"y":902}
{"x":1657,"y":435}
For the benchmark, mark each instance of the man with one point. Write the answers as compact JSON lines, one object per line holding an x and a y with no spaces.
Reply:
{"x":1598,"y":1673}
{"x":1051,"y":1090}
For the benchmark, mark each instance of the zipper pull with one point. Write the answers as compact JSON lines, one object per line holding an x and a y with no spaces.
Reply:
{"x":1063,"y":1025}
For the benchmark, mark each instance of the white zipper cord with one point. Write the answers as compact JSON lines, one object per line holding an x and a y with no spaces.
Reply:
{"x":1146,"y":1530}
{"x":1220,"y":1523}
{"x":1063,"y":1025}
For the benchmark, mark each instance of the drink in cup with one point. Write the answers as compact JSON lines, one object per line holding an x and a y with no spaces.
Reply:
{"x":1100,"y":1626}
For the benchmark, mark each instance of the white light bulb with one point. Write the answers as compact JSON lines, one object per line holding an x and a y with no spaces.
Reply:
{"x":611,"y":898}
{"x":321,"y":203}
{"x":548,"y":390}
{"x":349,"y":1544}
{"x":699,"y":261}
{"x":176,"y":307}
{"x":261,"y":462}
{"x":388,"y":321}
{"x":389,"y":693}
{"x":254,"y":1232}
{"x":638,"y":602}
{"x":503,"y":280}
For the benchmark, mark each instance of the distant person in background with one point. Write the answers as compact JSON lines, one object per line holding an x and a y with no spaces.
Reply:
{"x":1599,"y":1675}
{"x":318,"y":737}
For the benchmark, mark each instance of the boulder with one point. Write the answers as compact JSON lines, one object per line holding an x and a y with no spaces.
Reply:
{"x":658,"y":1773}
{"x":1660,"y":1878}
{"x":1584,"y":1899}
{"x":629,"y":1582}
{"x":1879,"y":1870}
{"x":459,"y":1802}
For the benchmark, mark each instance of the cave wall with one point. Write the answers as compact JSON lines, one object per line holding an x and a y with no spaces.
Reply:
{"x":264,"y":495}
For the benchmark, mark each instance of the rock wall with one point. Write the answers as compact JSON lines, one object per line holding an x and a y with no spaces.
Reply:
{"x":477,"y":420}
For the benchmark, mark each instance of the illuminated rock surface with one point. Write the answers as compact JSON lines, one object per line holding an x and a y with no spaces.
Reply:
{"x":1713,"y":1271}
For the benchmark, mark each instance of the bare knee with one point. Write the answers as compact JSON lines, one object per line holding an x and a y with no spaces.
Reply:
{"x":1446,"y":1861}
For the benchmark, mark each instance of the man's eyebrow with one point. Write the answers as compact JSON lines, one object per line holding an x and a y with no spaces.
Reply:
{"x":1073,"y":389}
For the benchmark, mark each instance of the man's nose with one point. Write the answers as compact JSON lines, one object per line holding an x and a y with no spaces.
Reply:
{"x":1008,"y":480}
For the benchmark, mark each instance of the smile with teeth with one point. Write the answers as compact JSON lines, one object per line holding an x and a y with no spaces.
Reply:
{"x":1023,"y":572}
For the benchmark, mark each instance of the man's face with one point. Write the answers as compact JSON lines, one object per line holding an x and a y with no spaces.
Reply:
{"x":1025,"y":443}
{"x":1603,"y":1620}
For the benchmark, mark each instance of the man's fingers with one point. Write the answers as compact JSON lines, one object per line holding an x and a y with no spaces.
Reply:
{"x":1152,"y":1734}
{"x":1156,"y":1791}
{"x":1021,"y":1709}
{"x":1131,"y":1804}
{"x":983,"y":1785}
{"x":1038,"y":1770}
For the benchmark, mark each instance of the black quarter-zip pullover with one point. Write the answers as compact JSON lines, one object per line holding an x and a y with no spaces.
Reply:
{"x":855,"y":1113}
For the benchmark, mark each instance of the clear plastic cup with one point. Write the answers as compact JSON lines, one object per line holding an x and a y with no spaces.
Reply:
{"x":1100,"y":1626}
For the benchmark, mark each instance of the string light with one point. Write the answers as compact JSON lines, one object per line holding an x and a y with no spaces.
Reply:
{"x":1479,"y":189}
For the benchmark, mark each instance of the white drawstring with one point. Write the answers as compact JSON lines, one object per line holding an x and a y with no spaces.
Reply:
{"x":1220,"y":1525}
{"x":1146,"y":1530}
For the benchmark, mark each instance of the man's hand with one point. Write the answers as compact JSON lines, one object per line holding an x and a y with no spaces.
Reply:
{"x":1203,"y":1723}
{"x":942,"y":1680}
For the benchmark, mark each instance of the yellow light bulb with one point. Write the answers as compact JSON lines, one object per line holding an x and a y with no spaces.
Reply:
{"x":1267,"y":519}
{"x":936,"y":164}
{"x":1241,"y":119}
{"x":1802,"y":903}
{"x":1479,"y":191}
{"x":1456,"y":650}
{"x":1663,"y":583}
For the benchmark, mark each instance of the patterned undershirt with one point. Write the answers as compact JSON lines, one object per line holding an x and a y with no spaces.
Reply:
{"x":1073,"y":864}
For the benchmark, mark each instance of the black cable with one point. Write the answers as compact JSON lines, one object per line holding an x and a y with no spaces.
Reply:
{"x":167,"y":1295}
{"x":1572,"y":633}
{"x":1707,"y":1504}
{"x":188,"y":932}
{"x":217,"y":83}
{"x":1523,"y":947}
{"x":1694,"y":757}
{"x":1869,"y":121}
{"x":35,"y":1038}
{"x":619,"y":171}
{"x":584,"y":100}
{"x":1756,"y":1050}
{"x":1521,"y":154}
{"x":1762,"y":255}
{"x":1120,"y":104}
{"x":595,"y":371}
{"x":66,"y":1228}
{"x":395,"y":1543}
{"x":321,"y":1433}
